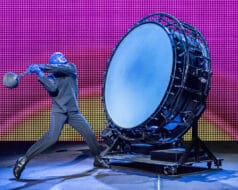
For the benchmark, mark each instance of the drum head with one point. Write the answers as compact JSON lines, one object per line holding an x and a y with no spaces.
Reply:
{"x":138,"y":75}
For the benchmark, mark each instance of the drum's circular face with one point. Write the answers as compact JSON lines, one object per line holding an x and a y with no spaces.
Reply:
{"x":138,"y":75}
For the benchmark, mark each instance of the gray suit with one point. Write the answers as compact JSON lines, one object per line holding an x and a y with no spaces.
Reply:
{"x":62,"y":86}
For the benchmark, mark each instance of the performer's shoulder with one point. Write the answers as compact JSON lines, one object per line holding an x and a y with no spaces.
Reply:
{"x":71,"y":64}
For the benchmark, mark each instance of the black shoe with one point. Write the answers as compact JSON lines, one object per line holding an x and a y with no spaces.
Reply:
{"x":19,"y":167}
{"x":99,"y":162}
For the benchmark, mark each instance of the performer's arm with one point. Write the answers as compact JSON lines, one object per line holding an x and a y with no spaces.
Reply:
{"x":67,"y":69}
{"x":49,"y":84}
{"x":47,"y":81}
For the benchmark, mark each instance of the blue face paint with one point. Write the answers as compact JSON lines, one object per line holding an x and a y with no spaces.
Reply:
{"x":57,"y":58}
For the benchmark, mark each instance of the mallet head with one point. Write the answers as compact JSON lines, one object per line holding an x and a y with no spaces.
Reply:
{"x":11,"y":80}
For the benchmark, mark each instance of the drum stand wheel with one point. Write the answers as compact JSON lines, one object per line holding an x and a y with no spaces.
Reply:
{"x":170,"y":170}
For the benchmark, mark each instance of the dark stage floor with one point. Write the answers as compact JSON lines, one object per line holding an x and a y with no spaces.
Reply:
{"x":70,"y":167}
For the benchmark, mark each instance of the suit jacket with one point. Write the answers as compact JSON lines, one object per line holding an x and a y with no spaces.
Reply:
{"x":62,"y":85}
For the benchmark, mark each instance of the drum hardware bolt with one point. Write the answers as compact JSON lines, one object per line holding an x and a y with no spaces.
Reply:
{"x":181,"y":54}
{"x":196,"y":101}
{"x":202,"y":80}
{"x":175,"y":77}
{"x":171,"y":93}
{"x":177,"y":86}
{"x":180,"y":70}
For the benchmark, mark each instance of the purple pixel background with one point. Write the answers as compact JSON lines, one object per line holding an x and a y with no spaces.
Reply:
{"x":88,"y":30}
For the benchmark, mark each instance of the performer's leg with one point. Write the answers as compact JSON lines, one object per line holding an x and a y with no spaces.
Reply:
{"x":78,"y":122}
{"x":48,"y":139}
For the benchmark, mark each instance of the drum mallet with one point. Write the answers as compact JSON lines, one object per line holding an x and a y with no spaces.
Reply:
{"x":11,"y":79}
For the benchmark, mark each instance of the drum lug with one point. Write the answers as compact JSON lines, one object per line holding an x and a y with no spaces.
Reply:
{"x":198,"y":72}
{"x":175,"y":77}
{"x":171,"y":93}
{"x":181,"y":54}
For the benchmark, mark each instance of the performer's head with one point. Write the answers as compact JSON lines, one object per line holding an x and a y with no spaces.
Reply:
{"x":57,"y":58}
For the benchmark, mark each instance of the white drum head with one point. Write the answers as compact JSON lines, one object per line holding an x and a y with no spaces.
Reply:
{"x":138,"y":75}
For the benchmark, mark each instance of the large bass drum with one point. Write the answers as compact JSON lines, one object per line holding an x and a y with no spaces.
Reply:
{"x":157,"y":80}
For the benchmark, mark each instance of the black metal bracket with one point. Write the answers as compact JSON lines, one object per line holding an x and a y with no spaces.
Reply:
{"x":198,"y":151}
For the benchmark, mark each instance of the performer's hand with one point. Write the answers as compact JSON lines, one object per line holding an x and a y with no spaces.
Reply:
{"x":34,"y":68}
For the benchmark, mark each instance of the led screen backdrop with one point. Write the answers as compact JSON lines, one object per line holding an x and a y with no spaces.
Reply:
{"x":87,"y":31}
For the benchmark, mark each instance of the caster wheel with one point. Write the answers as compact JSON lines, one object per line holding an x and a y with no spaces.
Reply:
{"x":218,"y":163}
{"x":209,"y":165}
{"x":170,"y":170}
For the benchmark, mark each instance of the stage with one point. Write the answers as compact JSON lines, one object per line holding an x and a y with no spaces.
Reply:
{"x":70,"y":166}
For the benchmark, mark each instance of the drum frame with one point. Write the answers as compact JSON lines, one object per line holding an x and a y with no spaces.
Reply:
{"x":171,"y":105}
{"x":182,"y":105}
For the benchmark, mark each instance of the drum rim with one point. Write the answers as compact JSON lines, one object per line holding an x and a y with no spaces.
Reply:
{"x":158,"y":108}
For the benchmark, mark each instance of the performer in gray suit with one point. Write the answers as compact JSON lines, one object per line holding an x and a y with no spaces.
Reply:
{"x":62,"y":85}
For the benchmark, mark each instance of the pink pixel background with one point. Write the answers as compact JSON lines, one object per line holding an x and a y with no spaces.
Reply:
{"x":88,"y":30}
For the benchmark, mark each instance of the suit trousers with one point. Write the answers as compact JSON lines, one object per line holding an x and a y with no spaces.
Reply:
{"x":76,"y":120}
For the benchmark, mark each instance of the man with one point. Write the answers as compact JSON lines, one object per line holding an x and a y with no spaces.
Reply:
{"x":62,"y":85}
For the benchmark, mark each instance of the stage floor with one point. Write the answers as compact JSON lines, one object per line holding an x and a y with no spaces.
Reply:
{"x":71,"y":167}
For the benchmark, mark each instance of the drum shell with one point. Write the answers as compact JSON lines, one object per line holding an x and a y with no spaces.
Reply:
{"x":189,"y":81}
